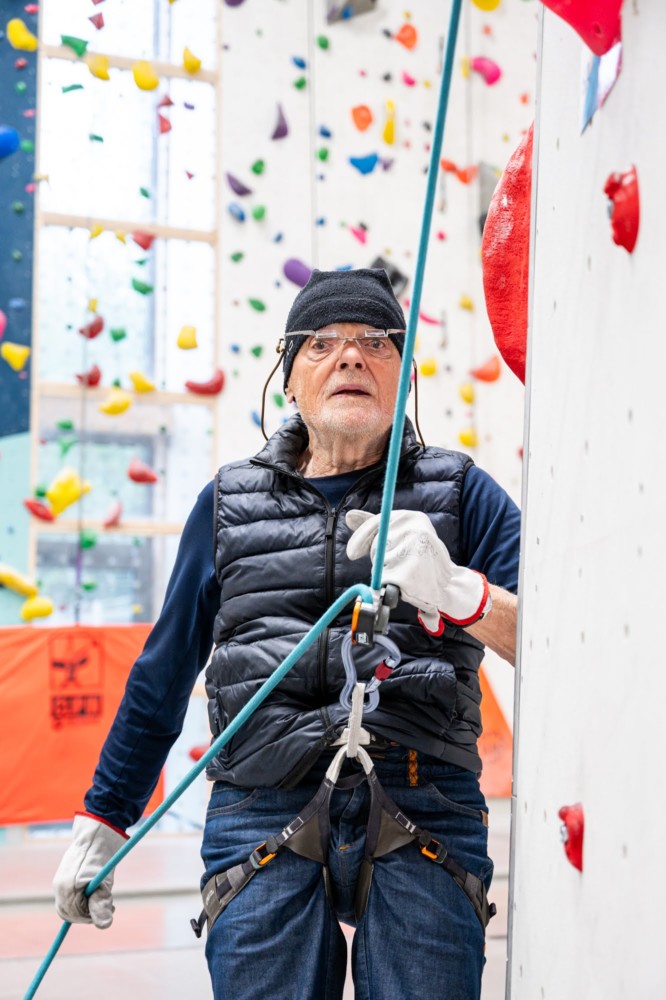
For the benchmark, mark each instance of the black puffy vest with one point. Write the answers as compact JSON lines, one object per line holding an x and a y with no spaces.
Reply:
{"x":280,"y":561}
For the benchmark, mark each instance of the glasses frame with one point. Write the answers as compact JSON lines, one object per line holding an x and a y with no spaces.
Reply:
{"x":333,"y":335}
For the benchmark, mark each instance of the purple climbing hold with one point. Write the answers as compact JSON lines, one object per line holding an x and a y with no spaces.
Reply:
{"x":281,"y":128}
{"x":233,"y":3}
{"x":298,"y":272}
{"x":237,"y":186}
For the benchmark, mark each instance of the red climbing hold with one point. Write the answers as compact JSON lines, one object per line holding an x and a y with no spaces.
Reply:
{"x":144,"y":240}
{"x":91,"y":378}
{"x":573,"y":828}
{"x":139,"y":472}
{"x":490,"y":371}
{"x":622,"y":190}
{"x":505,"y":254}
{"x":212,"y":387}
{"x":93,"y":328}
{"x":596,"y":21}
{"x":39,"y":509}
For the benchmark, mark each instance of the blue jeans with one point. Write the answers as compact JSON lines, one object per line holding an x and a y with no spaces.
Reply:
{"x":419,"y":937}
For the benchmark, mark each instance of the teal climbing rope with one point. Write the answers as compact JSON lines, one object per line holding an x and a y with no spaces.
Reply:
{"x":358,"y":590}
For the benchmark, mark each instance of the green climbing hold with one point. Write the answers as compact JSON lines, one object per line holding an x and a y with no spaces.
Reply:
{"x":278,"y":399}
{"x":118,"y":333}
{"x":258,"y":167}
{"x":141,"y":286}
{"x":79,"y":45}
{"x":322,"y":41}
{"x":40,"y":490}
{"x":95,"y":138}
{"x":257,"y":304}
{"x":21,"y":87}
{"x":27,"y":145}
{"x":88,"y":585}
{"x":117,"y":384}
{"x":236,"y":257}
{"x":66,"y":443}
{"x":322,"y":154}
{"x":65,"y":425}
{"x":258,"y":212}
{"x":18,"y":207}
{"x":72,"y":86}
{"x":301,"y":83}
{"x":87,"y":539}
{"x":257,"y":351}
{"x":17,"y":256}
{"x":142,"y":262}
{"x":145,"y":192}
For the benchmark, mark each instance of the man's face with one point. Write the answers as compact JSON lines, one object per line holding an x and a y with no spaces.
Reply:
{"x":347,"y":392}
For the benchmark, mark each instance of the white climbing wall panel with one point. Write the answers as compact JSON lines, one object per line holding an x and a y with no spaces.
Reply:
{"x":591,"y":675}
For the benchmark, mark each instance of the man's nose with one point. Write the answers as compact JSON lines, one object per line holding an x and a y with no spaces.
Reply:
{"x":350,"y":356}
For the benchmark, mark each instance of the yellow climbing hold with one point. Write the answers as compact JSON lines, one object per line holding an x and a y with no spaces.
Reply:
{"x":145,"y":76}
{"x":116,"y":402}
{"x":96,"y":231}
{"x":465,"y":67}
{"x":98,"y":65}
{"x":20,"y":37}
{"x":428,"y":367}
{"x":466,"y":303}
{"x":467,"y":393}
{"x":13,"y":580}
{"x":190,"y":61}
{"x":141,"y":383}
{"x":187,"y":338}
{"x":388,"y":135}
{"x":66,"y":489}
{"x":487,"y":4}
{"x":92,"y":305}
{"x":15,"y":355}
{"x":36,"y":607}
{"x":468,"y":437}
{"x":120,"y":235}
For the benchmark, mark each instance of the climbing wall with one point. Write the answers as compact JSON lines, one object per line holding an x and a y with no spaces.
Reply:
{"x":343,"y":186}
{"x":591,"y":678}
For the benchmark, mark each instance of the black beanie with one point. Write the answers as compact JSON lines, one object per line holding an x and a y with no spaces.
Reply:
{"x":361,"y":296}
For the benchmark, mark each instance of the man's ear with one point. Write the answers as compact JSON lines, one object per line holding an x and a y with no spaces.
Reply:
{"x":289,"y":394}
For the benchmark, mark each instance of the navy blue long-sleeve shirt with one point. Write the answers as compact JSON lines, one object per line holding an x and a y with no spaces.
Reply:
{"x":150,"y":716}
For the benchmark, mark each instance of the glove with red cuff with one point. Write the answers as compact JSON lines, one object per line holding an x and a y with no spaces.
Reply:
{"x":418,"y":562}
{"x":94,"y":843}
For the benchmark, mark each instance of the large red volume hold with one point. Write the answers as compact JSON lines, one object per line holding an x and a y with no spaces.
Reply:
{"x":596,"y":21}
{"x":209,"y":388}
{"x":505,"y":255}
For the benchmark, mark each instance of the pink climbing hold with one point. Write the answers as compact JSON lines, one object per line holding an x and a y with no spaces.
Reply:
{"x":3,"y":323}
{"x":596,"y":21}
{"x":487,"y":68}
{"x":408,"y":79}
{"x":360,"y":234}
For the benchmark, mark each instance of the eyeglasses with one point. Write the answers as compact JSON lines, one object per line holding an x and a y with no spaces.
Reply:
{"x":324,"y":343}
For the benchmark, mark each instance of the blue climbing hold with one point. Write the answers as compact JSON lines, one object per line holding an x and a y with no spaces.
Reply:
{"x":325,"y":133}
{"x":365,"y":164}
{"x":236,"y":212}
{"x":256,"y":418}
{"x":299,"y":62}
{"x":9,"y":141}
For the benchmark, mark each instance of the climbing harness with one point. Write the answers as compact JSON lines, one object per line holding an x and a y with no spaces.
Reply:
{"x":308,"y":834}
{"x":368,"y":595}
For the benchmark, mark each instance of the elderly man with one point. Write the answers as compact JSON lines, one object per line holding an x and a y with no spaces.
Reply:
{"x":268,"y":547}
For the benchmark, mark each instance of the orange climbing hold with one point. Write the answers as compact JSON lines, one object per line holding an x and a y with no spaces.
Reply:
{"x":490,"y":371}
{"x":362,"y":116}
{"x":407,"y":36}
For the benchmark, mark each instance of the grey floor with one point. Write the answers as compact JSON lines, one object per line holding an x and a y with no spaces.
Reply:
{"x":150,"y":951}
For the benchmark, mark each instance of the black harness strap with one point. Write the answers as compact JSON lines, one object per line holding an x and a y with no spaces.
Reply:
{"x":308,"y":835}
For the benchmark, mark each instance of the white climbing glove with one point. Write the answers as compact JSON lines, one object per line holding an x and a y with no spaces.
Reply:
{"x":94,"y":843}
{"x":418,"y":562}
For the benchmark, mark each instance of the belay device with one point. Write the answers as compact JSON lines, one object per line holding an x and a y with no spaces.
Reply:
{"x":388,"y":828}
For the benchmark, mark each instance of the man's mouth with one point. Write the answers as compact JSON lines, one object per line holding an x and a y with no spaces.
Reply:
{"x":350,"y":390}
